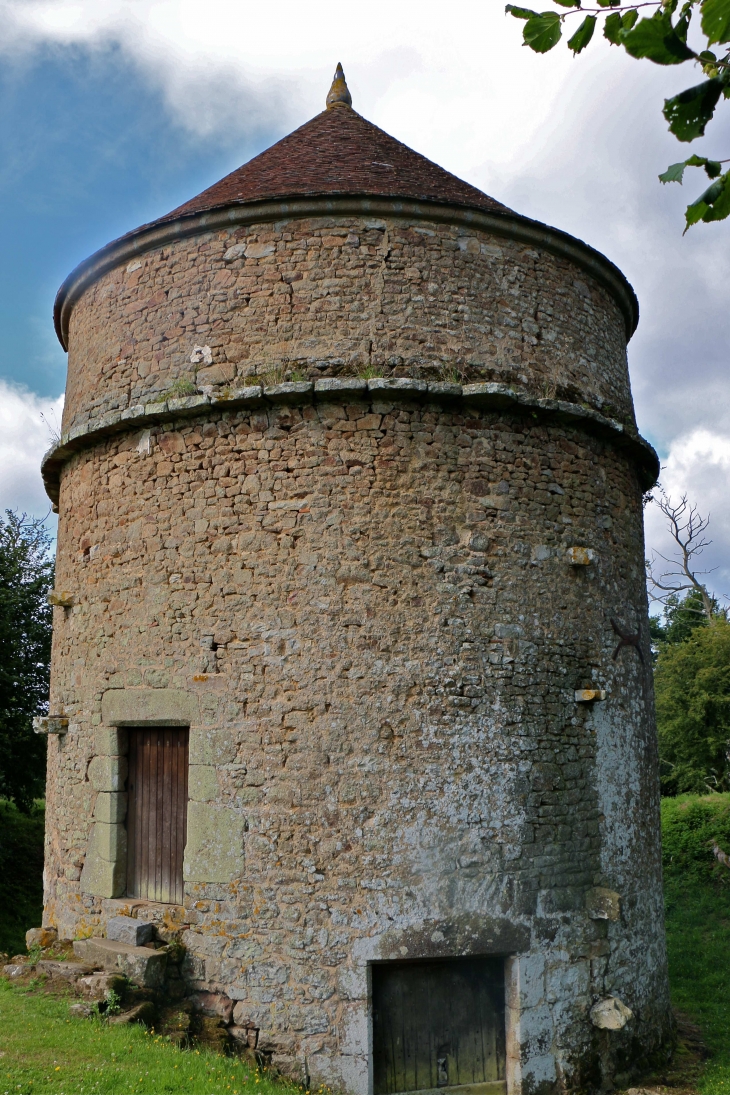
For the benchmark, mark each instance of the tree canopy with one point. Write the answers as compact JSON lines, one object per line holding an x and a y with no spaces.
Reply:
{"x":692,"y":682}
{"x":681,"y":616}
{"x":659,"y":36}
{"x":26,"y":577}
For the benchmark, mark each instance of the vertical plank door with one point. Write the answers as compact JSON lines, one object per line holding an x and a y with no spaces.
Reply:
{"x":157,"y":813}
{"x":438,"y":1024}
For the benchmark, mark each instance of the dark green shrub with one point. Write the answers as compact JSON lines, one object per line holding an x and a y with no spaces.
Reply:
{"x":690,"y":824}
{"x":21,"y":875}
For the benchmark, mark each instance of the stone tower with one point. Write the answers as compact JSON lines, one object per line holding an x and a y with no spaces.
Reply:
{"x":351,"y":680}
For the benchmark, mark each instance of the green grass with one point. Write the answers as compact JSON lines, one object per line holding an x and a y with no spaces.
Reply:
{"x":697,"y":897}
{"x":45,"y":1051}
{"x":21,"y":875}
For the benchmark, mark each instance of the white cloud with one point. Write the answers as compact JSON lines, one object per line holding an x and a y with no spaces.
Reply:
{"x":24,"y":437}
{"x":698,"y":465}
{"x":456,"y":84}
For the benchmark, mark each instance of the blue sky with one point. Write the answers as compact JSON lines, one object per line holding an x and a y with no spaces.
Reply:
{"x":113,"y":112}
{"x":86,"y":153}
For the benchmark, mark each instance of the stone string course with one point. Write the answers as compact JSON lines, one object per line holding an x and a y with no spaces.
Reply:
{"x":496,"y":396}
{"x":360,"y":592}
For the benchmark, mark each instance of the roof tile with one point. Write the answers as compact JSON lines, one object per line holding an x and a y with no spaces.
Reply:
{"x":337,"y":152}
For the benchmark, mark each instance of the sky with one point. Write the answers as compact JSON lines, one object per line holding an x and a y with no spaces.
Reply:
{"x":113,"y":112}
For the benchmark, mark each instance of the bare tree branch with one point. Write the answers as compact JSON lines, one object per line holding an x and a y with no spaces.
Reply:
{"x":687,"y":528}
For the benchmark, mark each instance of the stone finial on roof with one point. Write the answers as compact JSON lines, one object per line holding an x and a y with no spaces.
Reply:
{"x":339,"y":93}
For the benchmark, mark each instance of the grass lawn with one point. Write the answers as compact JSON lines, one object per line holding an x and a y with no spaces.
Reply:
{"x":697,"y":896}
{"x":42,"y":1050}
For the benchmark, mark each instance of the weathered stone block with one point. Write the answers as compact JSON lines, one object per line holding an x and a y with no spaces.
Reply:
{"x":140,"y":964}
{"x":110,"y":741}
{"x":144,"y":1012}
{"x":105,"y":867}
{"x":40,"y":937}
{"x":102,"y":878}
{"x":214,"y":849}
{"x":97,"y":985}
{"x":202,"y":783}
{"x":603,"y":904}
{"x":140,"y":706}
{"x":212,"y":745}
{"x":246,"y":1036}
{"x":580,"y":556}
{"x":610,"y":1014}
{"x":61,"y":598}
{"x":110,"y":807}
{"x":108,"y":773}
{"x":126,"y":929}
{"x":62,"y":971}
{"x":50,"y":724}
{"x":213,"y":1003}
{"x":108,"y":841}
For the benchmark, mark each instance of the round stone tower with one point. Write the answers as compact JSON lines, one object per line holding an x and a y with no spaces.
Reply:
{"x":351,"y":683}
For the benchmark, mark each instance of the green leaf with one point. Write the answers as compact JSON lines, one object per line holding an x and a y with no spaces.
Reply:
{"x":674,"y":173}
{"x":656,"y":39}
{"x":694,"y":213}
{"x":583,"y":35}
{"x":716,"y":20}
{"x":713,"y":205}
{"x":629,"y":19}
{"x":689,"y":112}
{"x":609,"y":3}
{"x":720,"y":203}
{"x":612,"y":28}
{"x":520,"y":13}
{"x":568,"y":3}
{"x":711,"y":194}
{"x":542,"y":32}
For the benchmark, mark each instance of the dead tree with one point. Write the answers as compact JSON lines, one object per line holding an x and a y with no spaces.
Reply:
{"x":687,"y":529}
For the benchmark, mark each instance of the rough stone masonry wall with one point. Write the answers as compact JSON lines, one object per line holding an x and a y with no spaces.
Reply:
{"x":339,"y":295}
{"x":388,"y":727}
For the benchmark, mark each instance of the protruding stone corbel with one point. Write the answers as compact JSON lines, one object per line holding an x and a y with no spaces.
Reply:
{"x":603,"y":904}
{"x":50,"y":724}
{"x":61,"y":598}
{"x":581,"y":556}
{"x":610,"y":1014}
{"x":589,"y":695}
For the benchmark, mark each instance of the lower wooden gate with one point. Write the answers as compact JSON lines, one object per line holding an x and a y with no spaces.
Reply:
{"x":439,"y":1024}
{"x":157,"y":813}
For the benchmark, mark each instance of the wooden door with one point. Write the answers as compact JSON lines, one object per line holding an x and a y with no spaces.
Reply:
{"x":157,"y":813}
{"x":438,"y":1024}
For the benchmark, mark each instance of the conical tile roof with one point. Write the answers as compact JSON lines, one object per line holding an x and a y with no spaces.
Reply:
{"x":337,"y":153}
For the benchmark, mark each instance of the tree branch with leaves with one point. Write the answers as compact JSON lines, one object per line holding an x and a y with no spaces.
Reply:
{"x":660,"y":37}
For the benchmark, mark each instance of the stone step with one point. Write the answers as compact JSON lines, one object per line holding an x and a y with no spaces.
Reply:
{"x":66,"y":971}
{"x":142,"y":965}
